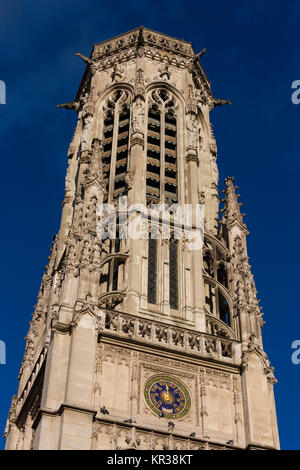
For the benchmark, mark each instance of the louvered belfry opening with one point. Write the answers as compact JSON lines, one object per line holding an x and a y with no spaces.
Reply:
{"x":161,"y":175}
{"x":153,"y":154}
{"x":170,"y":158}
{"x":107,"y":147}
{"x":122,"y":153}
{"x":116,"y":143}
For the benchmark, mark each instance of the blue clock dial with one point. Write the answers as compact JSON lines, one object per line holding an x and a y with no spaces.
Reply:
{"x":167,"y":397}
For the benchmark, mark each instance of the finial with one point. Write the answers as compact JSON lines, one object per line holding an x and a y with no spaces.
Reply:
{"x":231,"y":210}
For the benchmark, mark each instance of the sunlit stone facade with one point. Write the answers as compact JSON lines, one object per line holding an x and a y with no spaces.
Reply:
{"x":145,"y":343}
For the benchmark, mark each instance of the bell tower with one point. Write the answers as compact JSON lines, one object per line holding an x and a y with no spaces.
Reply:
{"x":145,"y":342}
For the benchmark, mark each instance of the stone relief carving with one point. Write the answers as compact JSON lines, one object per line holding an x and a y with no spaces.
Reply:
{"x":87,"y":126}
{"x":193,"y":132}
{"x":164,"y":72}
{"x":138,"y":116}
{"x":95,"y":168}
{"x":139,"y":89}
{"x":117,"y":74}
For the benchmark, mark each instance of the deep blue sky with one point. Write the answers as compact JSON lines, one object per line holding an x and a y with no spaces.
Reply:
{"x":252,"y":58}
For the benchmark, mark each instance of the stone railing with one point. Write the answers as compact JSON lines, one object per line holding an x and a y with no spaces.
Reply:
{"x":175,"y":338}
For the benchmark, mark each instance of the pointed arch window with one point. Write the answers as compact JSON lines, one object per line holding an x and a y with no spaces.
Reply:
{"x":216,"y":285}
{"x":224,"y":311}
{"x":112,"y":274}
{"x":152,"y":270}
{"x":161,"y":173}
{"x":173,"y":273}
{"x":116,"y":143}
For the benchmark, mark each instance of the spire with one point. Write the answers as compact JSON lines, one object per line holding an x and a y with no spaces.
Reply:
{"x":231,"y":210}
{"x":243,"y":284}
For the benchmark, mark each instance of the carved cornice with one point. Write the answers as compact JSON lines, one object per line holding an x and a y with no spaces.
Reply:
{"x":140,"y":37}
{"x":168,"y":51}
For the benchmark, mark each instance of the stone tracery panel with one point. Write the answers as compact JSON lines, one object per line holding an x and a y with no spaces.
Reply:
{"x":216,"y":410}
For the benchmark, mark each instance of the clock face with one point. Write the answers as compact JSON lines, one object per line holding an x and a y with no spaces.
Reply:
{"x":167,"y":397}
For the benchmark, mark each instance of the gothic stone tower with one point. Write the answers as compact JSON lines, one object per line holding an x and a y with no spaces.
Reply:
{"x":143,"y":343}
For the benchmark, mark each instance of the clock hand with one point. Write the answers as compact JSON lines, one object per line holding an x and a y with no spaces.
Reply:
{"x":168,"y":394}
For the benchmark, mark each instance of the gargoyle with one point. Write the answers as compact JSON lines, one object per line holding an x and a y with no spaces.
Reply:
{"x":219,"y":102}
{"x":70,"y":105}
{"x":85,"y":59}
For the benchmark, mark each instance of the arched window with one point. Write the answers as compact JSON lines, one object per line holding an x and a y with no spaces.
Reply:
{"x":112,"y":275}
{"x":161,"y":174}
{"x":224,"y":311}
{"x":152,"y":271}
{"x":173,"y":273}
{"x":222,"y":275}
{"x":216,"y":272}
{"x":216,"y":303}
{"x":115,"y":143}
{"x":113,"y":270}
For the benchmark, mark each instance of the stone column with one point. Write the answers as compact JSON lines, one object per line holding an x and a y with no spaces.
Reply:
{"x":12,"y":437}
{"x":47,"y":431}
{"x":259,"y":411}
{"x":135,"y":180}
{"x":192,"y":163}
{"x":76,"y":424}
